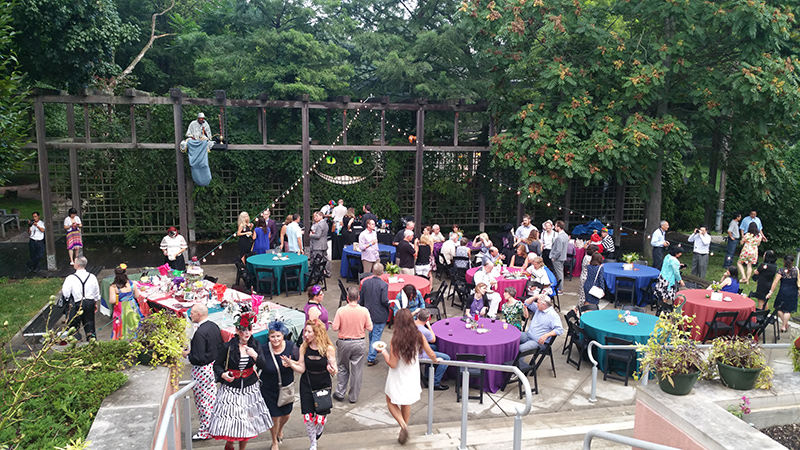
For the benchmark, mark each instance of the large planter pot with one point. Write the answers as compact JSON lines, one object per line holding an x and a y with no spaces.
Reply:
{"x":737,"y":377}
{"x":684,"y":382}
{"x":145,"y":358}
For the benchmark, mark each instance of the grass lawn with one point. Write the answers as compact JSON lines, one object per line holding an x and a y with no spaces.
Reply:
{"x":26,"y":207}
{"x":21,"y":299}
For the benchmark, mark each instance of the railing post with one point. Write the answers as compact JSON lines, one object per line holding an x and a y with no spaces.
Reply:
{"x":171,"y":430}
{"x":187,"y":422}
{"x":431,"y":372}
{"x":517,"y":432}
{"x":464,"y":407}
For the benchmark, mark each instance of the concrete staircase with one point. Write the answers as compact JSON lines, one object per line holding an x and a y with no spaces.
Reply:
{"x":550,"y":431}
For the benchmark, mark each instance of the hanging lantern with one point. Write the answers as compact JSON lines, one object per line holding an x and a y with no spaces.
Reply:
{"x":411,"y":139}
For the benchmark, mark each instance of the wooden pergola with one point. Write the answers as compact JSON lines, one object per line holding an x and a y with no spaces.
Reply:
{"x":177,"y":99}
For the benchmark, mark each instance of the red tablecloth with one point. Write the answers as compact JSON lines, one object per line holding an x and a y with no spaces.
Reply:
{"x":502,"y":282}
{"x":423,"y":285}
{"x":499,"y":345}
{"x":704,"y":308}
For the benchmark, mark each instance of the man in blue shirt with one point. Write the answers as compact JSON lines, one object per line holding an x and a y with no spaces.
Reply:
{"x":746,"y":222}
{"x":545,"y":324}
{"x":424,"y":327}
{"x":659,"y":243}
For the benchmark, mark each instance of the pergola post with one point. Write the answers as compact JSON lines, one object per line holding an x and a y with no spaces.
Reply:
{"x":418,"y":166}
{"x":44,"y":184}
{"x":567,"y":197}
{"x":73,"y":161}
{"x":618,"y":214}
{"x":306,"y":149}
{"x":177,"y":118}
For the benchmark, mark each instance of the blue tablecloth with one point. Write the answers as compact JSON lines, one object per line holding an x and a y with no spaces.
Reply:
{"x":349,"y":251}
{"x":600,"y":324}
{"x":266,"y":260}
{"x":642,"y":274}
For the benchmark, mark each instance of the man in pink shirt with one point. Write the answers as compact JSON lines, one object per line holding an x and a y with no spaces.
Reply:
{"x":368,"y":243}
{"x":352,"y":321}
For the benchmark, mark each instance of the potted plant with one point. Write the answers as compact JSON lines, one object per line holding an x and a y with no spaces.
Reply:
{"x":740,"y":363}
{"x":160,"y":340}
{"x":677,"y":368}
{"x":794,"y":352}
{"x":392,"y":270}
{"x":629,"y":259}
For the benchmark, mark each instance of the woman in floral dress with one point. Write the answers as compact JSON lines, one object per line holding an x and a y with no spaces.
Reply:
{"x":749,"y":255}
{"x":514,"y":312}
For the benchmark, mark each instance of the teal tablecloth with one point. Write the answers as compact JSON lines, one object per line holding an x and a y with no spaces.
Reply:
{"x":292,"y":318}
{"x":266,"y":260}
{"x":600,"y":324}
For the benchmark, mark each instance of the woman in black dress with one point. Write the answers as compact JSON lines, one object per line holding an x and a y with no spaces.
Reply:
{"x":316,"y":364}
{"x":245,"y":232}
{"x":240,"y":413}
{"x":786,"y":300}
{"x":348,"y":235}
{"x":766,"y":274}
{"x":270,"y":384}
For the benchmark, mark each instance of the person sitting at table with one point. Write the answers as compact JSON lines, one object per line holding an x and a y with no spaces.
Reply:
{"x":422,"y":266}
{"x":462,"y":251}
{"x":514,"y":312}
{"x":406,"y":253}
{"x":609,"y":250}
{"x":422,"y":321}
{"x":765,"y":273}
{"x":670,"y":275}
{"x":483,"y":242}
{"x":261,"y":242}
{"x":587,"y":259}
{"x":518,"y":260}
{"x":533,"y":243}
{"x":314,"y":308}
{"x":730,"y":281}
{"x":493,"y":255}
{"x":594,"y":277}
{"x":545,"y":324}
{"x":436,"y":233}
{"x":457,"y":231}
{"x":478,"y":305}
{"x":448,"y":250}
{"x":539,"y":286}
{"x":409,"y":298}
{"x":485,"y":276}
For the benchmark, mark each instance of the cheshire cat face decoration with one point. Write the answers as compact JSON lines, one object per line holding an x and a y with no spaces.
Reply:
{"x":350,"y":167}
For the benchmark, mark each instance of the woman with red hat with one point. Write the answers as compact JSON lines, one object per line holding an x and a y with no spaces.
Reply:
{"x":173,"y":246}
{"x":240,"y":413}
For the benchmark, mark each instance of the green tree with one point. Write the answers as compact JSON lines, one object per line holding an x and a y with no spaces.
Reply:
{"x":13,"y":106}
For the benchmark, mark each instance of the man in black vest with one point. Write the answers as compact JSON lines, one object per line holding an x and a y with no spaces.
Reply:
{"x":206,"y":342}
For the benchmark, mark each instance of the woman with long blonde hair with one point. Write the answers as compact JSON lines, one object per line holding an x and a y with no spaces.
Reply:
{"x":244,"y":229}
{"x":317,"y":363}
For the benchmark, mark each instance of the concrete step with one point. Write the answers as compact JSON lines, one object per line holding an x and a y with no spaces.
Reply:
{"x":551,"y":431}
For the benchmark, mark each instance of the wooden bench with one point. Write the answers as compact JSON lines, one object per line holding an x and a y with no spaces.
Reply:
{"x":6,"y":218}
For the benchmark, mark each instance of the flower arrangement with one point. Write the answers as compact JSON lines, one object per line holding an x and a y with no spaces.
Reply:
{"x":631,"y":258}
{"x":672,"y":328}
{"x":162,"y":336}
{"x":716,"y":286}
{"x":392,"y":269}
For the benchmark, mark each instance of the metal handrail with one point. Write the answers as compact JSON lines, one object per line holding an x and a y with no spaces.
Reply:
{"x":624,"y":440}
{"x":593,"y":395}
{"x":166,"y":425}
{"x":465,"y":394}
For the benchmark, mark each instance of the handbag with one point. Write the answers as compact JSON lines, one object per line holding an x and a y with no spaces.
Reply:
{"x":285,"y":393}
{"x":596,"y":291}
{"x":322,"y":398}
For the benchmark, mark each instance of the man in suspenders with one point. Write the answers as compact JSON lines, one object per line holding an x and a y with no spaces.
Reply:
{"x":82,"y":292}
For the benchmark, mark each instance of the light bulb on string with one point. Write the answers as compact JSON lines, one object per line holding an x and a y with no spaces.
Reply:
{"x":204,"y":260}
{"x":212,"y":253}
{"x":548,"y":204}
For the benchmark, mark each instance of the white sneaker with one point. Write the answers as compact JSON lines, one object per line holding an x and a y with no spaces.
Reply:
{"x":197,"y":437}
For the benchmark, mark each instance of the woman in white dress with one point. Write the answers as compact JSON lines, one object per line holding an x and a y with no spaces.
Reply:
{"x":403,"y":382}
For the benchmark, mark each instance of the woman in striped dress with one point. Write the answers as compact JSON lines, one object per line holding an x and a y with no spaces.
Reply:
{"x":240,"y":413}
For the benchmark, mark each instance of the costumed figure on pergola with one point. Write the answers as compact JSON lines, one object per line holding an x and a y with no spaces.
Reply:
{"x":199,"y":144}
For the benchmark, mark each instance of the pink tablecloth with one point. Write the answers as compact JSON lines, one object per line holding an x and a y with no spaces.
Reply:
{"x":502,"y":282}
{"x":704,"y":308}
{"x":423,"y":285}
{"x":579,"y":254}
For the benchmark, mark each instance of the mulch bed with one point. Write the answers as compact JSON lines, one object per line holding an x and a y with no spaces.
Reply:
{"x":786,"y":435}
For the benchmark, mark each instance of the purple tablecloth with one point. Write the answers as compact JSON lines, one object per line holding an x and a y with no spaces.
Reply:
{"x":499,"y":345}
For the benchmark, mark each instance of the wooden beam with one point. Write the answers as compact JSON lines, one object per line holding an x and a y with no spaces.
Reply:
{"x":133,"y":124}
{"x":44,"y":185}
{"x":177,"y":119}
{"x":73,"y":161}
{"x":87,"y":126}
{"x":419,"y":170}
{"x":618,"y":215}
{"x":306,"y":144}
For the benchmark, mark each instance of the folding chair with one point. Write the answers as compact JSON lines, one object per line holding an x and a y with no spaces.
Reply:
{"x":473,"y":373}
{"x":722,"y":325}
{"x":626,"y":356}
{"x":624,"y":287}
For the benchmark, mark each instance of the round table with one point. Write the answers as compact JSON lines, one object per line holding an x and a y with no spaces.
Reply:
{"x":499,"y":345}
{"x":502,"y":282}
{"x":349,"y":251}
{"x":421,"y":284}
{"x":600,"y":324}
{"x":642,"y":275}
{"x":704,"y":308}
{"x":270,"y":260}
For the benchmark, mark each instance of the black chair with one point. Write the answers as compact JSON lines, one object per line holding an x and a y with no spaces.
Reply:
{"x":570,"y":316}
{"x":342,"y":293}
{"x":755,"y":324}
{"x":588,"y":307}
{"x":625,"y":289}
{"x":266,"y":276}
{"x":441,"y":266}
{"x":353,"y":267}
{"x":316,"y":272}
{"x":772,"y":319}
{"x":625,"y":356}
{"x":361,"y":276}
{"x":473,"y":373}
{"x":437,"y":299}
{"x":210,"y":278}
{"x":579,"y":340}
{"x":386,"y":257}
{"x":648,"y":294}
{"x":459,"y":288}
{"x":569,"y":265}
{"x":292,"y":274}
{"x":722,"y":325}
{"x":242,"y":274}
{"x":526,"y":367}
{"x":555,"y":298}
{"x":633,"y":308}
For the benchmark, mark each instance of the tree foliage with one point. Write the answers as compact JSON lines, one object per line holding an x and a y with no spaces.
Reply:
{"x":13,"y":105}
